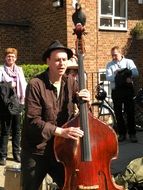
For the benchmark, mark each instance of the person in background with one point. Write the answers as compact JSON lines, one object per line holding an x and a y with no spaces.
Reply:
{"x":121,"y":72}
{"x":72,"y":65}
{"x":48,"y":105}
{"x":72,"y":70}
{"x":12,"y":75}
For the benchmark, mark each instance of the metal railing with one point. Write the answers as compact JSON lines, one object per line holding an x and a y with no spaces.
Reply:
{"x":94,"y":78}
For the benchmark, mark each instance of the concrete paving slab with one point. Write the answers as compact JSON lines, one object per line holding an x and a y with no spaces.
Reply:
{"x":127,"y":152}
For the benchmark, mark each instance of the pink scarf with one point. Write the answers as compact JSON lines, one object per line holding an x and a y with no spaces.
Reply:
{"x":15,"y":75}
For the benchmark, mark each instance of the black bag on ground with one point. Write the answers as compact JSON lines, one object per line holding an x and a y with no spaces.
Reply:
{"x":121,"y":77}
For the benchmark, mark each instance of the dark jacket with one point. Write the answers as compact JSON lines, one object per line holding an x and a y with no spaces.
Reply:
{"x":9,"y":104}
{"x":44,"y":111}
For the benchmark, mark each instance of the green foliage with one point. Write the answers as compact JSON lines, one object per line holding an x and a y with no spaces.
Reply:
{"x":138,"y":29}
{"x":31,"y":70}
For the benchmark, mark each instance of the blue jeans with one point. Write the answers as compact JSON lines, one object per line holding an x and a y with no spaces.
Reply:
{"x":10,"y":124}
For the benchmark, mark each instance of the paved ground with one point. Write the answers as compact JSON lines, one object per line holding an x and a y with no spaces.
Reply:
{"x":11,"y":163}
{"x":127,"y":152}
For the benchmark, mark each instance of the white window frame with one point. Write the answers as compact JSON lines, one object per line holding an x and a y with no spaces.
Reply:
{"x":123,"y":20}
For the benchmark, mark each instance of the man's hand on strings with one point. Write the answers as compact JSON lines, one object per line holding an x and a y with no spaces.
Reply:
{"x":69,"y":133}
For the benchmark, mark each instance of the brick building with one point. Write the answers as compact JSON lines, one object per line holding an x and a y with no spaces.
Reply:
{"x":31,"y":25}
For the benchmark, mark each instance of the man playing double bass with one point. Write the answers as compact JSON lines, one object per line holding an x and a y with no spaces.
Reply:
{"x":49,"y":104}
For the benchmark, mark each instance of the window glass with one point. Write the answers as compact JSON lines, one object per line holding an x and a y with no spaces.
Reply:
{"x":106,"y":7}
{"x":120,"y":8}
{"x":113,"y":14}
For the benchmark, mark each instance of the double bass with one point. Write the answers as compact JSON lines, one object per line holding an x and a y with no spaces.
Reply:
{"x":87,"y":160}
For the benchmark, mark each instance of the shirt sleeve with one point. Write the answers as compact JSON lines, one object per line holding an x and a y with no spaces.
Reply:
{"x":109,"y":72}
{"x":131,"y":65}
{"x":1,"y":74}
{"x":37,"y":127}
{"x":23,"y":85}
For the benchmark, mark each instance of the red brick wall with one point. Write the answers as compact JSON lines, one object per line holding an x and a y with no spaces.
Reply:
{"x":13,"y":35}
{"x":46,"y":24}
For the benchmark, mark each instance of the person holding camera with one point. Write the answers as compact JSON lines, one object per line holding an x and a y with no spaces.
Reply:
{"x":121,"y":72}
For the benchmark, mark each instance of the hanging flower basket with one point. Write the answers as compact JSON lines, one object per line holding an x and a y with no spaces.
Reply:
{"x":137,"y":31}
{"x":139,"y":36}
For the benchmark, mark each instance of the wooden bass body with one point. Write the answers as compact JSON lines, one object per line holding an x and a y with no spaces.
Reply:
{"x":94,"y":174}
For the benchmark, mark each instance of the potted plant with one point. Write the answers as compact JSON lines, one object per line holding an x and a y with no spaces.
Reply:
{"x":137,"y":31}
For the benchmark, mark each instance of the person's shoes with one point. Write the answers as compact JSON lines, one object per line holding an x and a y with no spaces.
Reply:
{"x":121,"y":138}
{"x":17,"y":157}
{"x":2,"y":161}
{"x":133,"y":138}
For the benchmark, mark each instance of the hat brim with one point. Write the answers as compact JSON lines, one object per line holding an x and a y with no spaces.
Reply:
{"x":49,"y":51}
{"x":72,"y":65}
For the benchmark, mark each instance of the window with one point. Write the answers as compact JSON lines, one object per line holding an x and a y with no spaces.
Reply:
{"x":113,"y":14}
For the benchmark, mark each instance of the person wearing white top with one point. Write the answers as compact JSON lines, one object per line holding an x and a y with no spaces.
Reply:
{"x":121,"y":72}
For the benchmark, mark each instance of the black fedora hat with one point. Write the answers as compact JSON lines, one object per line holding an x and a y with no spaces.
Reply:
{"x":54,"y":46}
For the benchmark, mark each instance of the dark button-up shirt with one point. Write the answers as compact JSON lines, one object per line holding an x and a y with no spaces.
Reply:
{"x":44,"y":111}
